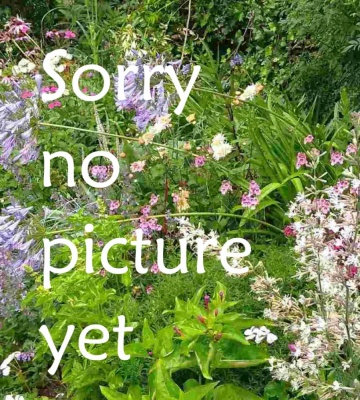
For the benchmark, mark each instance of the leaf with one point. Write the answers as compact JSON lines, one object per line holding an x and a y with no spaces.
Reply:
{"x":269,"y":189}
{"x":232,"y":392}
{"x":204,"y":356}
{"x":199,"y":392}
{"x":136,"y":350}
{"x":147,"y":335}
{"x":231,"y":333}
{"x":111,"y":394}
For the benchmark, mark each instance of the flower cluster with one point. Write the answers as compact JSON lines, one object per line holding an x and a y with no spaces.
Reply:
{"x":248,"y":94}
{"x":17,"y":141}
{"x":181,"y":199}
{"x":15,"y":29}
{"x":251,"y":199}
{"x":161,"y":123}
{"x":220,"y":147}
{"x":16,"y":253}
{"x":146,"y":223}
{"x":325,"y":320}
{"x":146,"y":111}
{"x":55,"y":34}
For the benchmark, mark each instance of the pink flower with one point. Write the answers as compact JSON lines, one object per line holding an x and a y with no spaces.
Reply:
{"x":85,"y":90}
{"x":249,"y":201}
{"x":175,"y":197}
{"x":145,"y":211}
{"x":336,"y":158}
{"x":322,"y":205}
{"x":50,"y":34}
{"x":289,"y":231}
{"x":341,"y":186}
{"x":17,"y":27}
{"x":154,"y":269}
{"x":54,"y":104}
{"x":137,"y":166}
{"x":301,"y":160}
{"x":69,"y":35}
{"x":199,"y":161}
{"x":114,"y":205}
{"x":254,"y":189}
{"x":149,"y":289}
{"x":26,"y":94}
{"x":154,"y":199}
{"x":351,"y":149}
{"x":309,"y":139}
{"x":225,"y":187}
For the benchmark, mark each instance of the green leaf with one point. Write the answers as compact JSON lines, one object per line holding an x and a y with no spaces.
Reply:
{"x":111,"y":394}
{"x":147,"y":335}
{"x":199,"y":392}
{"x":232,"y":392}
{"x":204,"y":356}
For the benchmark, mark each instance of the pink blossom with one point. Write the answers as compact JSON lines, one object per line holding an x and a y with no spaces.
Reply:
{"x":341,"y":186}
{"x":199,"y":161}
{"x":149,"y":289}
{"x":146,"y":210}
{"x":249,"y":201}
{"x":154,"y":199}
{"x":289,"y":231}
{"x":351,"y":149}
{"x":254,"y":189}
{"x":309,"y":139}
{"x":336,"y":158}
{"x":50,"y":34}
{"x":137,"y":166}
{"x":301,"y":160}
{"x":114,"y":205}
{"x":26,"y":94}
{"x":175,"y":197}
{"x":226,"y":187}
{"x":85,"y":90}
{"x":69,"y":35}
{"x":154,"y":269}
{"x":54,"y":104}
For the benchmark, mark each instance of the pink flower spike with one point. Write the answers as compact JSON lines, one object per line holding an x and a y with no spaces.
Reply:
{"x":225,"y":187}
{"x":336,"y":158}
{"x":254,"y":189}
{"x":199,"y":161}
{"x":351,"y":149}
{"x":137,"y":166}
{"x":309,"y":139}
{"x":26,"y":94}
{"x":301,"y":160}
{"x":69,"y":35}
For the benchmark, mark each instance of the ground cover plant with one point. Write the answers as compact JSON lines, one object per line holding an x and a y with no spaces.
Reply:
{"x":264,"y":150}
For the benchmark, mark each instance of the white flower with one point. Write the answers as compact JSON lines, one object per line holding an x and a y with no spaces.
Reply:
{"x":4,"y":367}
{"x":249,"y":93}
{"x":17,"y":397}
{"x":24,"y":67}
{"x":336,"y":386}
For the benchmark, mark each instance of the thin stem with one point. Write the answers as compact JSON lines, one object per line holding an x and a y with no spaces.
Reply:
{"x":215,"y":214}
{"x":187,"y":31}
{"x":118,"y":136}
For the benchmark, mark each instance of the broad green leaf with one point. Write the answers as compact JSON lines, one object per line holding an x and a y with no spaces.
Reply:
{"x":111,"y":394}
{"x":232,"y":392}
{"x":199,"y":392}
{"x":147,"y":335}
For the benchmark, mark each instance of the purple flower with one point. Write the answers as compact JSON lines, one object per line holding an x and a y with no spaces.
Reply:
{"x":236,"y":60}
{"x":16,"y":252}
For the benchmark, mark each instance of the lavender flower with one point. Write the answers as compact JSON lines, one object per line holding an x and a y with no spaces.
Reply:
{"x":145,"y":110}
{"x":17,"y":142}
{"x":16,"y":252}
{"x":236,"y":60}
